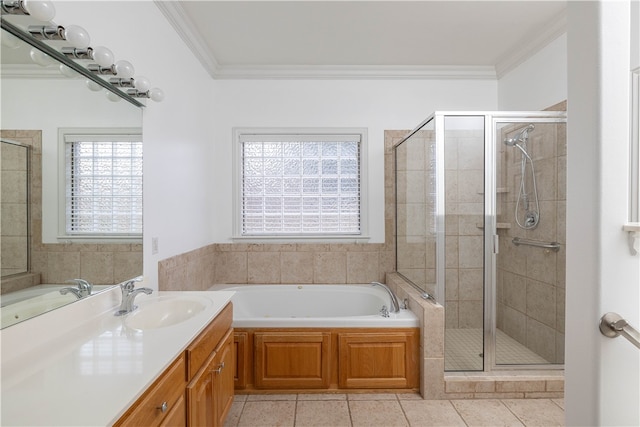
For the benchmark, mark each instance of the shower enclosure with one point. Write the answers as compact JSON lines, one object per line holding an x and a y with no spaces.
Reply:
{"x":480,"y":227}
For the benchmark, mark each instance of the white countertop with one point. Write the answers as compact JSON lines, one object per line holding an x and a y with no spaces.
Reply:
{"x":81,"y":365}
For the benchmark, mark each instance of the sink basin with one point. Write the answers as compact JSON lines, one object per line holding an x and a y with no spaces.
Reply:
{"x":160,"y":313}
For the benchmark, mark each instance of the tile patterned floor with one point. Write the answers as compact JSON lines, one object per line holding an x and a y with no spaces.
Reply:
{"x":338,"y":410}
{"x":463,"y":349}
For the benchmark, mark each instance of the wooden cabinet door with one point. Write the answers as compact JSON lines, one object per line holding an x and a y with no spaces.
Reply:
{"x":200,"y":399}
{"x":292,"y":359}
{"x":223,"y":379}
{"x":384,"y":360}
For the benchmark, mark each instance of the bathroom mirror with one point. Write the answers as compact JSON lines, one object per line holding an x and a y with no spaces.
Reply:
{"x":37,"y":100}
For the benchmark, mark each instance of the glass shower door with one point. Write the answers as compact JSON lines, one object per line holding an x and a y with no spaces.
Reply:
{"x":530,"y":210}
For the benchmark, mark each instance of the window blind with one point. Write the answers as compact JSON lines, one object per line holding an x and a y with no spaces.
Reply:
{"x":301,"y":184}
{"x":103,"y":191}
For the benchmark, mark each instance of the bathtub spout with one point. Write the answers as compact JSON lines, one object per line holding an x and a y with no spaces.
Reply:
{"x":395,"y":306}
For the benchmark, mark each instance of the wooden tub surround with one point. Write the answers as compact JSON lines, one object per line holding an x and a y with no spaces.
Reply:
{"x":326,"y":359}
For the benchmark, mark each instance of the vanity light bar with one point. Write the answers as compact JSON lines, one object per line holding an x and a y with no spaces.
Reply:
{"x":79,"y":40}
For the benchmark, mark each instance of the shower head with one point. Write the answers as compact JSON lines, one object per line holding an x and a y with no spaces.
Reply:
{"x":522,"y":136}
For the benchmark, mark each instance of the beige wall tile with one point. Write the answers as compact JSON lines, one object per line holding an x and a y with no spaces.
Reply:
{"x":362,"y":267}
{"x":263,"y":267}
{"x":296,"y":267}
{"x":231,"y":267}
{"x":62,"y":266}
{"x":541,"y":302}
{"x":329,"y":267}
{"x":97,"y":267}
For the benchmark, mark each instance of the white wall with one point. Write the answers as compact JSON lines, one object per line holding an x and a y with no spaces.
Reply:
{"x":537,"y":83}
{"x":374,"y":104}
{"x":602,"y":374}
{"x":178,"y":190}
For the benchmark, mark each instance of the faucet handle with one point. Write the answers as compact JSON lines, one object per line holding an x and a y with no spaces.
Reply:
{"x":83,"y":285}
{"x":130,"y":284}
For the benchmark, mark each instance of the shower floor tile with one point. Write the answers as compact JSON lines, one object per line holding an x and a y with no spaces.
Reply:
{"x":463,"y":350}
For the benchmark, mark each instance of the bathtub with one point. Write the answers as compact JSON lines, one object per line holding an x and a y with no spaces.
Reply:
{"x":35,"y":300}
{"x":314,"y":306}
{"x":295,"y":338}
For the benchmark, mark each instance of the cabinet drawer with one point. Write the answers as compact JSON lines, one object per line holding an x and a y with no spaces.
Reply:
{"x":169,"y":389}
{"x":200,"y":350}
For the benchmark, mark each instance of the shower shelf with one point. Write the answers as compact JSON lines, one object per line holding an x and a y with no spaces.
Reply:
{"x":500,"y":225}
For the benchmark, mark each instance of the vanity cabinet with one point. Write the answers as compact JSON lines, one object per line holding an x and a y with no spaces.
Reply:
{"x":210,"y":372}
{"x":197,"y":389}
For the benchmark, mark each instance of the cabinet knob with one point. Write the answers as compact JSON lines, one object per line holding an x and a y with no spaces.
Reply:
{"x":163,"y":408}
{"x":219,"y":369}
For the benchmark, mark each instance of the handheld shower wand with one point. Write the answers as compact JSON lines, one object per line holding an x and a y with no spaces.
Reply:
{"x":532,"y":216}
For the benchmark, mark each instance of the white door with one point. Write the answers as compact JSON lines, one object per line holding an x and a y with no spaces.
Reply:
{"x":602,"y":374}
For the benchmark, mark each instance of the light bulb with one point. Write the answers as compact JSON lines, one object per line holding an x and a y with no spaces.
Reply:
{"x":68,"y":72}
{"x":102,"y":56}
{"x":40,"y":10}
{"x":141,"y":83}
{"x":40,"y":58}
{"x":77,"y":36}
{"x":156,"y":94}
{"x":124,"y":69}
{"x":113,"y":97}
{"x":93,"y":86}
{"x":10,"y":41}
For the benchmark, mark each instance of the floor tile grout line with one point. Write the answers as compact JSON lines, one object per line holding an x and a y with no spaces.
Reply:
{"x":514,"y":414}
{"x":408,"y":423}
{"x":458,"y":412}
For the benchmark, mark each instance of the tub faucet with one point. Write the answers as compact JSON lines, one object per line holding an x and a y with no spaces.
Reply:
{"x":395,"y":307}
{"x":129,"y":294}
{"x":83,"y":290}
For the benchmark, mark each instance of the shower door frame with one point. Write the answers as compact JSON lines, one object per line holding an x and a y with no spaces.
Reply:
{"x":490,"y":235}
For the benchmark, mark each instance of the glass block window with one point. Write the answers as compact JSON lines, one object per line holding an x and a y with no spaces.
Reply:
{"x":300,"y":184}
{"x":103,"y":185}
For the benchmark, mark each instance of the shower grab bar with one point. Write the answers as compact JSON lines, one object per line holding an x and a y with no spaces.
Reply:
{"x":554,"y":246}
{"x":612,"y":325}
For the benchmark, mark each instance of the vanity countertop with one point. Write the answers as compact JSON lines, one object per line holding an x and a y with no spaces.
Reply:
{"x":58,"y":370}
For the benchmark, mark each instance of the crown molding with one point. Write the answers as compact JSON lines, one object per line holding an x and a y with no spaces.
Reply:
{"x":182,"y":24}
{"x":180,"y":21}
{"x":532,"y":45}
{"x":347,"y":72}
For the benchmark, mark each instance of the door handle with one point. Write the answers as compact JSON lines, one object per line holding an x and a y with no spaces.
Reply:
{"x":612,"y":325}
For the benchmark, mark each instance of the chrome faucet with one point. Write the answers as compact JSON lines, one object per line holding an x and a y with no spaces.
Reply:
{"x":129,"y":294}
{"x":83,"y":290}
{"x":395,"y":307}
